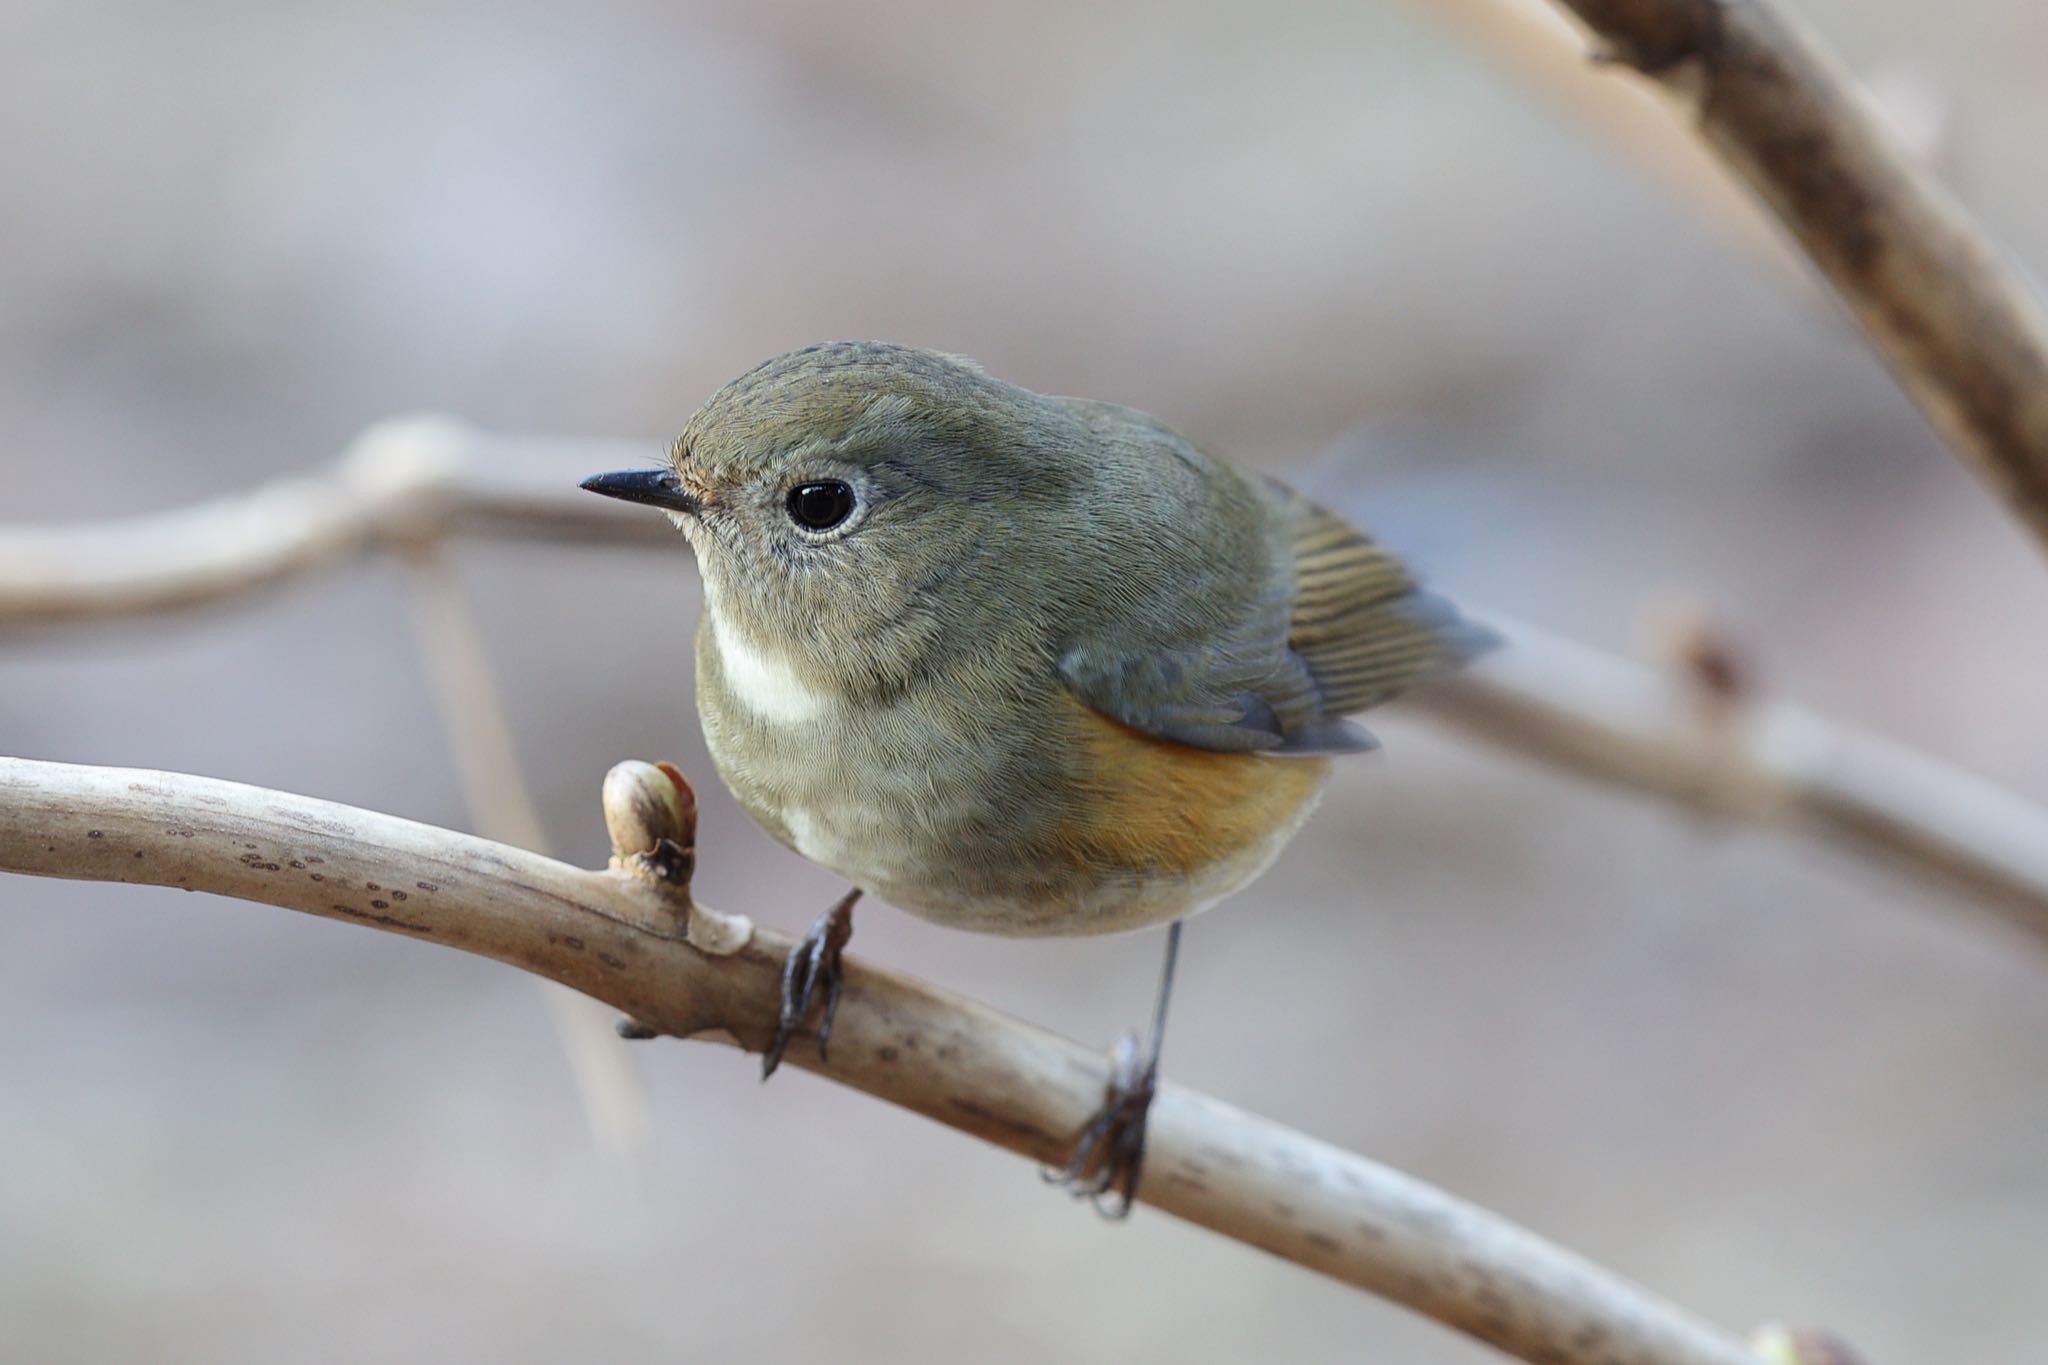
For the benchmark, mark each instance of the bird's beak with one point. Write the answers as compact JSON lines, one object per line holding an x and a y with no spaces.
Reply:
{"x":655,"y":487}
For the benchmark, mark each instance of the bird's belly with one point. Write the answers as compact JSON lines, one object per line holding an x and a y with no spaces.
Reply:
{"x":920,"y":834}
{"x":960,"y":883}
{"x":1083,"y":828}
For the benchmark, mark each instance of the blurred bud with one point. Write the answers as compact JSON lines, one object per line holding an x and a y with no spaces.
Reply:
{"x":1686,"y":634}
{"x":1780,"y":1345}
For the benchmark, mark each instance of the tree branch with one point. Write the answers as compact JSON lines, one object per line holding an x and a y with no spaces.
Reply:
{"x":1959,"y":327}
{"x":624,"y":936}
{"x":1771,"y":765}
{"x":406,"y":482}
{"x":1544,"y":50}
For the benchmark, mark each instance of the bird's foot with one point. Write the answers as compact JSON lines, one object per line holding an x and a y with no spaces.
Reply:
{"x":813,"y":965}
{"x":1109,"y":1156}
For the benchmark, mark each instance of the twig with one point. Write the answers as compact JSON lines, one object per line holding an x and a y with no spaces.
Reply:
{"x":1544,"y":697}
{"x":467,"y":699}
{"x":620,"y":935}
{"x":401,"y":483}
{"x":1959,"y":326}
{"x":501,"y":808}
{"x":1771,"y":765}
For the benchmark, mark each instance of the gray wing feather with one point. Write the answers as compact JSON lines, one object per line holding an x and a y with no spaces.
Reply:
{"x":1342,"y":628}
{"x":1211,"y":698}
{"x":1251,"y":621}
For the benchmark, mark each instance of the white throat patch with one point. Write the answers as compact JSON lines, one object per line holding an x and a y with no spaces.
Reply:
{"x":764,"y":683}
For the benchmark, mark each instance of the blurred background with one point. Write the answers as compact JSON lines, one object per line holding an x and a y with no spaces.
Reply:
{"x":1335,"y":241}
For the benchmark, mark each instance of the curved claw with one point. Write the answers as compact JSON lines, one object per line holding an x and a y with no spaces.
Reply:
{"x":1109,"y":1155}
{"x":815,"y":960}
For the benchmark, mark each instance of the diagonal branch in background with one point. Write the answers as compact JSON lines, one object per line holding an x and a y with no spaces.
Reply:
{"x":625,"y":936}
{"x":1543,"y":51}
{"x":1542,"y":48}
{"x":1960,"y":327}
{"x":472,"y":712}
{"x":407,"y":482}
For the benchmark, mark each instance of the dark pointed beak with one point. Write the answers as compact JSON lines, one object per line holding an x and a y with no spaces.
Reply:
{"x":655,"y":487}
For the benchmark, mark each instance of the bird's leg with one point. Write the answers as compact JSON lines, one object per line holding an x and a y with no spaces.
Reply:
{"x":812,"y":963}
{"x":1109,"y":1156}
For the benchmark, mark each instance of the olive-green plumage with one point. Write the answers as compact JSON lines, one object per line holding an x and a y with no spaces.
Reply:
{"x":1057,"y":671}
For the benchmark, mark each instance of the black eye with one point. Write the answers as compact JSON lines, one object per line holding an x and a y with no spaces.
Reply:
{"x":820,"y":506}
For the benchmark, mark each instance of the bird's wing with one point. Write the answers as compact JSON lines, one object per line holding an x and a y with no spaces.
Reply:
{"x":1342,"y":627}
{"x":1358,"y":620}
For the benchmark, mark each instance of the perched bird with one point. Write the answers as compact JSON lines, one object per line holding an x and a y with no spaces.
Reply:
{"x":1019,"y":664}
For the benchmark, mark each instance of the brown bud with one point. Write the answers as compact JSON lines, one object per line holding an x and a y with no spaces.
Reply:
{"x":1706,"y":655}
{"x":647,"y":805}
{"x":652,"y":816}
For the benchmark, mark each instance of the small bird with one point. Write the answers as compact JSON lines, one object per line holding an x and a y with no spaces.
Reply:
{"x":1019,"y":664}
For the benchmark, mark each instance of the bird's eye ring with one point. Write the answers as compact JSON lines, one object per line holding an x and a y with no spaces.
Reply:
{"x":820,"y":506}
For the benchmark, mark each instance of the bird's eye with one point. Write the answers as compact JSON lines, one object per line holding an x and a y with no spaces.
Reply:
{"x":820,"y":506}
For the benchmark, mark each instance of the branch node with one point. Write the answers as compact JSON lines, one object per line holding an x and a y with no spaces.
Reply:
{"x":396,"y":456}
{"x":715,"y":932}
{"x":1717,"y":672}
{"x":1651,"y":38}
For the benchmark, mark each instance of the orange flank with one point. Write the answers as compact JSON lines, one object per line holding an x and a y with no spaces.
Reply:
{"x":1165,"y":809}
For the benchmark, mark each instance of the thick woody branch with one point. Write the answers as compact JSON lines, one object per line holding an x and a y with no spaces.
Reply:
{"x":625,"y":936}
{"x":1959,"y":326}
{"x":406,"y":482}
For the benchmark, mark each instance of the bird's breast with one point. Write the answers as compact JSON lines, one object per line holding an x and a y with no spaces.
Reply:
{"x":847,"y":783}
{"x":993,"y":803}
